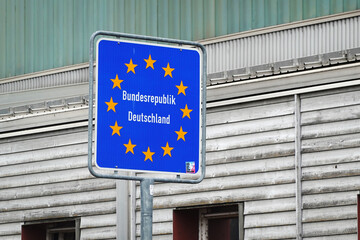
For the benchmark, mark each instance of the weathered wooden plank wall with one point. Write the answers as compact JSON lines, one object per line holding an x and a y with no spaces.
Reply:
{"x":331,"y":166}
{"x":44,"y":176}
{"x":251,"y":159}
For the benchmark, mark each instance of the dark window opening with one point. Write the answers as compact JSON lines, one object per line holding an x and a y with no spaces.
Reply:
{"x":51,"y":230}
{"x":223,"y":228}
{"x":223,"y":222}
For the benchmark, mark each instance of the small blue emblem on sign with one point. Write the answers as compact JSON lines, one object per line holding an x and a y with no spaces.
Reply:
{"x":147,"y":107}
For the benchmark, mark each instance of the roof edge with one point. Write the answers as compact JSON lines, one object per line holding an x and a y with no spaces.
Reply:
{"x":281,"y":27}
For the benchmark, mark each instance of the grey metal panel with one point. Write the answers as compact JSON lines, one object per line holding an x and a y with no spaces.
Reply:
{"x":73,"y":75}
{"x":295,"y":83}
{"x":49,"y":117}
{"x":283,"y":45}
{"x":258,"y":51}
{"x":42,"y":34}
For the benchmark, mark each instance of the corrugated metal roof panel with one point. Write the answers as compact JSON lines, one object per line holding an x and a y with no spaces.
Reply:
{"x":58,"y":77}
{"x":37,"y":35}
{"x":240,"y":53}
{"x":283,"y":45}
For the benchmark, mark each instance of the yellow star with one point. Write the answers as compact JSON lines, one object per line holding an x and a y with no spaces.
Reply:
{"x":111,"y":105}
{"x":129,"y":147}
{"x":167,"y":149}
{"x":186,"y":111}
{"x":116,"y":129}
{"x":117,"y":82}
{"x":149,"y":62}
{"x":130,"y":66}
{"x":181,"y":88}
{"x":181,"y":134}
{"x":168,"y":70}
{"x":148,"y":154}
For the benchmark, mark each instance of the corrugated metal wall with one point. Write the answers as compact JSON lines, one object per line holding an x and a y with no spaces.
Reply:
{"x":42,"y":34}
{"x":44,"y":176}
{"x":251,"y":158}
{"x":237,"y":53}
{"x":284,"y":45}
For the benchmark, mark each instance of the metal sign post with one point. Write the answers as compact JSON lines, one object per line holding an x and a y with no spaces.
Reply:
{"x":146,"y":208}
{"x":150,"y":112}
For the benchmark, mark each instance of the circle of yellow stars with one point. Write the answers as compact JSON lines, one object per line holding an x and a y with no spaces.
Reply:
{"x":111,"y":107}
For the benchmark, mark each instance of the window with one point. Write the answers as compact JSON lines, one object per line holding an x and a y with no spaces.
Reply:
{"x":209,"y":223}
{"x":51,"y":230}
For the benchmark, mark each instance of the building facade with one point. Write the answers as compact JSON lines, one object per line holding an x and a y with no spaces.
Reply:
{"x":283,"y":136}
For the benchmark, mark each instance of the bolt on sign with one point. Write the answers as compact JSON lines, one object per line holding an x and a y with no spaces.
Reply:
{"x":147,"y":107}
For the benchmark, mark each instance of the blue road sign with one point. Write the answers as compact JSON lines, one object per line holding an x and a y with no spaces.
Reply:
{"x":147,"y":107}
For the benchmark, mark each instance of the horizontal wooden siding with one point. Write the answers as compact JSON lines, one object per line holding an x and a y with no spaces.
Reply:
{"x":44,"y":176}
{"x":251,"y":159}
